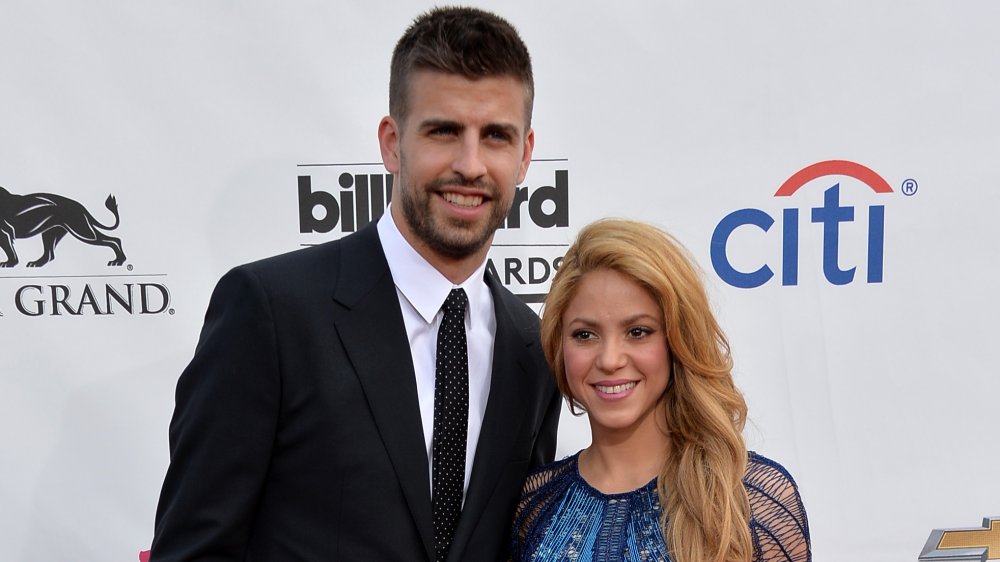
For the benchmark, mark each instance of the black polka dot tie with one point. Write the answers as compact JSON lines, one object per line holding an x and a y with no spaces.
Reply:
{"x":451,"y":417}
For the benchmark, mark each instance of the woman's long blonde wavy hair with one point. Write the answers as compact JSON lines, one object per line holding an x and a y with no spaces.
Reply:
{"x":705,"y":506}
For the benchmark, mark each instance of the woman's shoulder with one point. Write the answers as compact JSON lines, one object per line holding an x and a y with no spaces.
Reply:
{"x":544,"y":484}
{"x":777,"y":515}
{"x":766,"y":473}
{"x":545,"y":475}
{"x":540,"y":493}
{"x":770,"y":487}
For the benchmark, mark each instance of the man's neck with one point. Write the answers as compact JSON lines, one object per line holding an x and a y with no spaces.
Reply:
{"x":456,"y":270}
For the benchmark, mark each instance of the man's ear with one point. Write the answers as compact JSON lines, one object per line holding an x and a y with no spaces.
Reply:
{"x":529,"y":147}
{"x":388,"y":142}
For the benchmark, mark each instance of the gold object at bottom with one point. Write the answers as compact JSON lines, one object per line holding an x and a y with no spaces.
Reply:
{"x":975,"y":538}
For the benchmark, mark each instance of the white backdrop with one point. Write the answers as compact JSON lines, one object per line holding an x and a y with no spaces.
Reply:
{"x":199,"y":117}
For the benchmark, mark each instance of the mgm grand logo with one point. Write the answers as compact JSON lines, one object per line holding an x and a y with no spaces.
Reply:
{"x":50,"y":217}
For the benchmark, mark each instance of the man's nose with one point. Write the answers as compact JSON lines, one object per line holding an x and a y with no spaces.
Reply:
{"x":468,"y":161}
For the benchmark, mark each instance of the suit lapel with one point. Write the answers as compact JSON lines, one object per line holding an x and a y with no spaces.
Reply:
{"x":370,"y":325}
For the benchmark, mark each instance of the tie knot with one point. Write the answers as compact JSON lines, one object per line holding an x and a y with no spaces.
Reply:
{"x":457,"y":301}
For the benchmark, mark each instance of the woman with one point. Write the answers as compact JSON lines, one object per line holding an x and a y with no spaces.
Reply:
{"x":632,"y":341}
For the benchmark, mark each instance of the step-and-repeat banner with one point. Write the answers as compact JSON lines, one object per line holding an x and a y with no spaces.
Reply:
{"x":832,"y":166}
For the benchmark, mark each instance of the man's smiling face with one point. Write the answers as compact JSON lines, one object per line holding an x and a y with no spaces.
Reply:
{"x":458,"y":156}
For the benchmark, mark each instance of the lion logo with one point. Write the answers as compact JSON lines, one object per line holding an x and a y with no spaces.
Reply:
{"x":52,"y":216}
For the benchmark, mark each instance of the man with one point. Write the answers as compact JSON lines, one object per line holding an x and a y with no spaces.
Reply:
{"x":315,"y":421}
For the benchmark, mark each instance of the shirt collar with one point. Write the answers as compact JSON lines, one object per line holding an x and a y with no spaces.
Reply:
{"x":423,"y":286}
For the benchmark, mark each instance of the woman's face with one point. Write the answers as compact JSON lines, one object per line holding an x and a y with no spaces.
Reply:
{"x":615,"y":352}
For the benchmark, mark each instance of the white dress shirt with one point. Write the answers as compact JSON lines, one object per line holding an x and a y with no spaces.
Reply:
{"x":422,"y":291}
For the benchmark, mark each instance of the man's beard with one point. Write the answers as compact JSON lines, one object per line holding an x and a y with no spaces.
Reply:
{"x":457,"y":239}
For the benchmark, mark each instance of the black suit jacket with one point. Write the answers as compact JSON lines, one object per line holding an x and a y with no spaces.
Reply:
{"x":297,"y":433}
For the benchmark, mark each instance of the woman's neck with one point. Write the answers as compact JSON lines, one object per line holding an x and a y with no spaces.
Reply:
{"x":623,"y":460}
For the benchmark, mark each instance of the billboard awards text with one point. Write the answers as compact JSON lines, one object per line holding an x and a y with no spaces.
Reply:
{"x":333,"y":205}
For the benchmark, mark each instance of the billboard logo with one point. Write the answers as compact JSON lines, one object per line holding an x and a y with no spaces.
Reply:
{"x":830,"y":216}
{"x":335,"y":200}
{"x":557,"y":195}
{"x":52,"y":217}
{"x":364,"y":197}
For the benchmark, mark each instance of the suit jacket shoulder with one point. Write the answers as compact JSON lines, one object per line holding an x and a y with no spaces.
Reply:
{"x":352,"y":265}
{"x":522,"y":318}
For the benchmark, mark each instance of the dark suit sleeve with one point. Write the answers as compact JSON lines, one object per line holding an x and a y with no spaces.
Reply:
{"x":545,"y":444}
{"x":223,"y":429}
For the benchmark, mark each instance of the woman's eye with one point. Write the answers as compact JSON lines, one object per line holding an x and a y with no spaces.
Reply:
{"x":582,"y":335}
{"x":639,"y":332}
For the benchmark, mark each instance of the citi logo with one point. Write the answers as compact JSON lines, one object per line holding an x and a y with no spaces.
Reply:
{"x":363,"y":198}
{"x":829,"y":218}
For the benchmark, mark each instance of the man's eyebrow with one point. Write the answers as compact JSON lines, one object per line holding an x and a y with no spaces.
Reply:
{"x":505,"y":128}
{"x":439,"y":123}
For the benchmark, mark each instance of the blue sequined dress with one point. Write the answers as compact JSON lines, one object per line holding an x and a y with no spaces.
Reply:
{"x":562,"y":518}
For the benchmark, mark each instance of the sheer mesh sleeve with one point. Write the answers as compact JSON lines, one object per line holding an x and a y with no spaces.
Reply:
{"x":536,"y":498}
{"x":777,"y":517}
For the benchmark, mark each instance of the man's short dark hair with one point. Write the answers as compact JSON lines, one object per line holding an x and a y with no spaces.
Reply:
{"x":456,"y":40}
